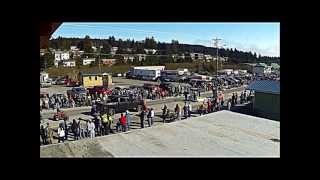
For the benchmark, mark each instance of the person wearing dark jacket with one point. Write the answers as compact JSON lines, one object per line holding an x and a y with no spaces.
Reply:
{"x":142,"y":118}
{"x":66,"y":129}
{"x":74,"y":129}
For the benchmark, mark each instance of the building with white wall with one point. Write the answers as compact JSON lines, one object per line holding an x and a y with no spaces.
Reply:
{"x":69,"y":63}
{"x":87,"y":61}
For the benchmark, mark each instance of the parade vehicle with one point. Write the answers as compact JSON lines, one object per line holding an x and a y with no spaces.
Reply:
{"x":119,"y":104}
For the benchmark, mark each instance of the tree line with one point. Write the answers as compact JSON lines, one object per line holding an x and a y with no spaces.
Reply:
{"x":130,"y":46}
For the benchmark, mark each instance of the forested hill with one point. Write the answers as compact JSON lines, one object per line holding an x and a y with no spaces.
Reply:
{"x":137,"y":47}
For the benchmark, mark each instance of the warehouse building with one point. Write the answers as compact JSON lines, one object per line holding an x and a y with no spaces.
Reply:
{"x":266,"y":101}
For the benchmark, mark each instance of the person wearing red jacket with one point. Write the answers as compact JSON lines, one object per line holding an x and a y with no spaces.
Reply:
{"x":123,"y":122}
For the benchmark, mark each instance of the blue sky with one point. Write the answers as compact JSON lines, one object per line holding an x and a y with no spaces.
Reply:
{"x":262,"y":38}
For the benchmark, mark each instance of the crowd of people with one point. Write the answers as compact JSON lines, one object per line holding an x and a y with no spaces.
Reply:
{"x":79,"y":128}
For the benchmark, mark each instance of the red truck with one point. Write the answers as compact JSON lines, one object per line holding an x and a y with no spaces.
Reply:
{"x":100,"y":90}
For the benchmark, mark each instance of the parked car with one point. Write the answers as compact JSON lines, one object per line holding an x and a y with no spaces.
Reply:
{"x":45,"y":84}
{"x":76,"y":91}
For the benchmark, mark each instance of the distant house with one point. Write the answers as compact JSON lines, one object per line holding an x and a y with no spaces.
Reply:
{"x":225,"y":71}
{"x":60,"y":56}
{"x":74,"y":48}
{"x":42,"y":52}
{"x":113,"y":50}
{"x":88,"y":61}
{"x":150,"y":51}
{"x":196,"y":56}
{"x":69,"y":63}
{"x":261,"y":69}
{"x":141,"y":57}
{"x":182,"y":56}
{"x":266,"y":102}
{"x":208,"y":57}
{"x":108,"y":61}
{"x":44,"y":76}
{"x":127,"y":58}
{"x":275,"y":67}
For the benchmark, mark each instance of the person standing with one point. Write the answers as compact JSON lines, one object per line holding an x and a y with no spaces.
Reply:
{"x":111,"y":122}
{"x":164,"y":111}
{"x":83,"y":129}
{"x":152,"y":116}
{"x":185,"y":95}
{"x":128,"y":118}
{"x":189,"y":110}
{"x":149,"y":117}
{"x":61,"y":134}
{"x":98,"y":125}
{"x":142,"y":117}
{"x":42,"y":134}
{"x":209,"y":106}
{"x":178,"y":112}
{"x":199,"y":92}
{"x":229,"y":104}
{"x":104,"y":124}
{"x":233,"y":99}
{"x":185,"y":110}
{"x":74,"y":129}
{"x":66,"y":129}
{"x":194,"y":96}
{"x":123,"y":123}
{"x":236,"y":98}
{"x":91,"y":129}
{"x":245,"y":96}
{"x":50,"y":134}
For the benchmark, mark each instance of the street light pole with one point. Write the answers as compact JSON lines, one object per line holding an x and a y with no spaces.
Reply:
{"x":216,"y":44}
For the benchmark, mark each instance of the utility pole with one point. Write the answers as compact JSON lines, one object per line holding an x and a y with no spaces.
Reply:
{"x":99,"y":60}
{"x":216,"y":44}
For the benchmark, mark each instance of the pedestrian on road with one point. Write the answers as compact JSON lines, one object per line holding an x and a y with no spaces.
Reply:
{"x":229,"y":104}
{"x":178,"y":112}
{"x":185,"y":110}
{"x":142,"y":118}
{"x":233,"y":99}
{"x":61,"y":134}
{"x":245,"y":96}
{"x":104,"y":118}
{"x":98,"y":125}
{"x":110,"y":122}
{"x":66,"y":128}
{"x":152,"y":116}
{"x":128,"y":118}
{"x":123,"y":122}
{"x":91,"y":129}
{"x":185,"y":95}
{"x":236,"y":98}
{"x":50,"y":134}
{"x":189,"y":110}
{"x":42,"y":134}
{"x":74,"y":129}
{"x":199,"y":93}
{"x":164,"y":111}
{"x":149,"y":118}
